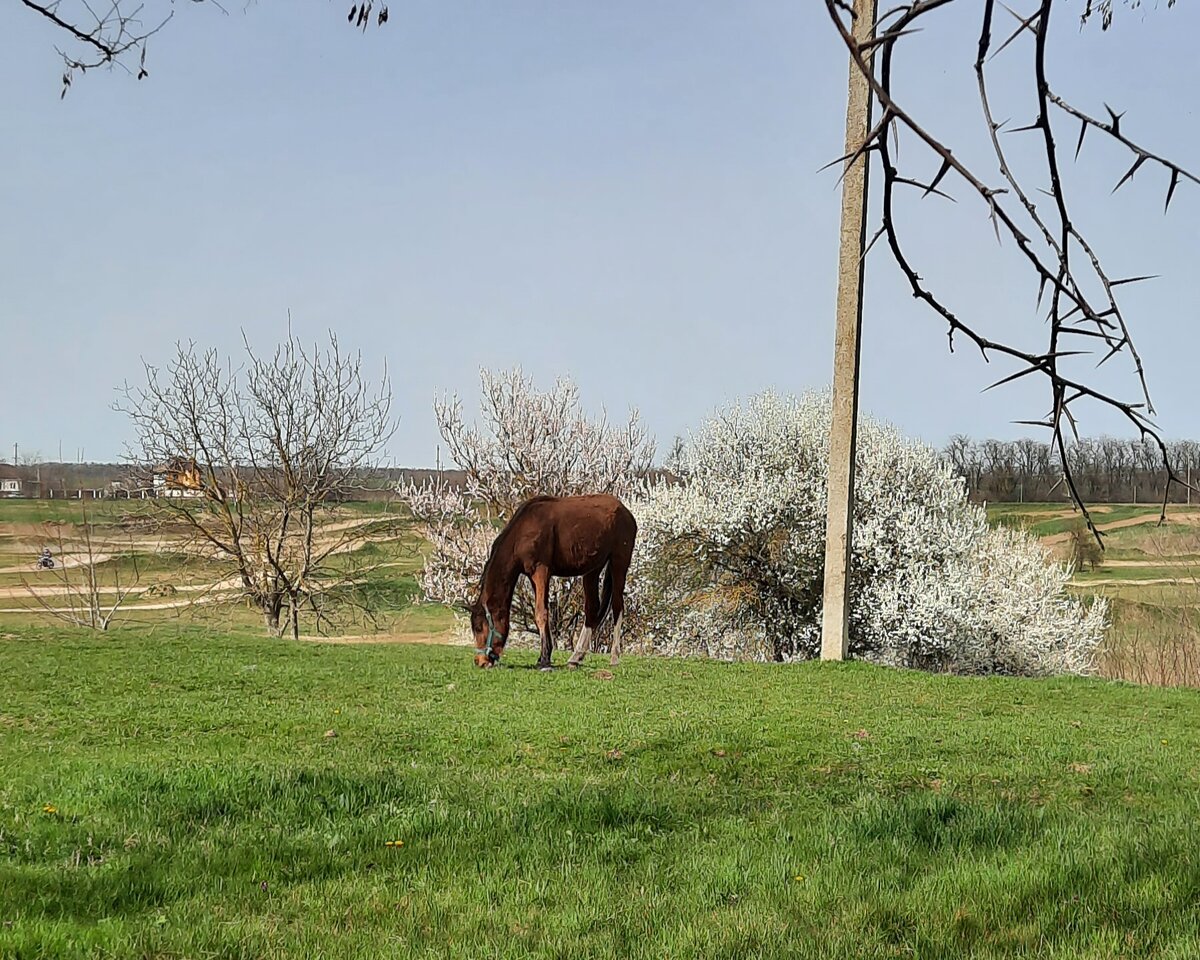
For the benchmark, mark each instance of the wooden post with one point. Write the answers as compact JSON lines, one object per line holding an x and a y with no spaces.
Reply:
{"x":839,"y":528}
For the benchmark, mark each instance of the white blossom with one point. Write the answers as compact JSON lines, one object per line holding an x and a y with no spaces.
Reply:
{"x":730,"y":559}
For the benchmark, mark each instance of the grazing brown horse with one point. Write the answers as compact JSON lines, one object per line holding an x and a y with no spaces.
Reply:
{"x":556,"y":537}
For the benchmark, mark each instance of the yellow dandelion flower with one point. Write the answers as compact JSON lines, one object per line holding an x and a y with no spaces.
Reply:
{"x":799,"y":878}
{"x":49,"y":808}
{"x":394,"y":843}
{"x":1164,"y":743}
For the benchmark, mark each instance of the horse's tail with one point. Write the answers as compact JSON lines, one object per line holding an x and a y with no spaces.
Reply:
{"x":605,"y":594}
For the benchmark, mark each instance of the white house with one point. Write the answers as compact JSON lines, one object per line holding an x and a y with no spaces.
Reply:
{"x":13,"y":482}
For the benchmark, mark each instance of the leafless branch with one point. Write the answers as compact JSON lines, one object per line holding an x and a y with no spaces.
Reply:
{"x":116,"y":32}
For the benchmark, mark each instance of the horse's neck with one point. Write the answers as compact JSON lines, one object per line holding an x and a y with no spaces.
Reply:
{"x":499,"y":579}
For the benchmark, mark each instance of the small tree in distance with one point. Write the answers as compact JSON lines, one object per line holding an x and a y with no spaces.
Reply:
{"x":270,"y":448}
{"x":1083,"y":549}
{"x":76,"y":590}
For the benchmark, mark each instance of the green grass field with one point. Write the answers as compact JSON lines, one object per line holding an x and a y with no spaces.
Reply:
{"x":173,"y":793}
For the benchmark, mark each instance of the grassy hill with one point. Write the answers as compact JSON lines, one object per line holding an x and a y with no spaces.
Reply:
{"x":181,"y":793}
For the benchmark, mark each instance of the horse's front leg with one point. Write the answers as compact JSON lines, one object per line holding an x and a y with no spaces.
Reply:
{"x":541,"y":593}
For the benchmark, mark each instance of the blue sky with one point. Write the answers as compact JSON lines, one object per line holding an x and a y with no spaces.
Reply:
{"x":625,"y":192}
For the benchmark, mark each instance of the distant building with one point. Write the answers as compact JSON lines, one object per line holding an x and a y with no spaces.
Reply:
{"x":179,"y":477}
{"x":14,"y":482}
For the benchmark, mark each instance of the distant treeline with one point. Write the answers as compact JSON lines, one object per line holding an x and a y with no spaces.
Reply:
{"x":1105,"y":469}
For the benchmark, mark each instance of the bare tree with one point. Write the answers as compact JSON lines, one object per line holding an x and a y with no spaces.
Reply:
{"x":116,"y":32}
{"x":1059,"y":256}
{"x":74,"y":590}
{"x":253,"y":462}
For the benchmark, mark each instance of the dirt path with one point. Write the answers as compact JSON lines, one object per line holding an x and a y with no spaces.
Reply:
{"x":1191,"y":519}
{"x":65,"y":561}
{"x":1165,"y":562}
{"x":60,"y":590}
{"x":126,"y":609}
{"x":1163,"y":581}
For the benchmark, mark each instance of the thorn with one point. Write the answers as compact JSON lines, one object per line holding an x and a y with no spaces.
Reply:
{"x":353,"y":13}
{"x":1113,"y":351}
{"x":842,"y":159}
{"x":885,"y":37}
{"x":1082,"y":130}
{"x":1041,"y":290}
{"x":878,"y":233}
{"x":1036,"y":125}
{"x":1130,"y":172}
{"x":1117,"y":283}
{"x":1171,"y":188}
{"x":932,"y":188}
{"x":1014,"y":376}
{"x":1116,"y":120}
{"x":1025,"y":25}
{"x":1074,"y":426}
{"x":1080,"y":332}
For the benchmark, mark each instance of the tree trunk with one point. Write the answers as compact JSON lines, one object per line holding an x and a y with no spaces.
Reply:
{"x":271,"y":605}
{"x":294,"y":616}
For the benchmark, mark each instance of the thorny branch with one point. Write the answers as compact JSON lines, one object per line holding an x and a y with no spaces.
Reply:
{"x":1013,"y":212}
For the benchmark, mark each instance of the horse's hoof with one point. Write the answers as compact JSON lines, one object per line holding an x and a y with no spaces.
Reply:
{"x":546,"y":668}
{"x":572,"y":666}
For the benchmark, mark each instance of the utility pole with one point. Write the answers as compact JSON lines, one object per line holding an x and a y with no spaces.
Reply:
{"x":843,"y":428}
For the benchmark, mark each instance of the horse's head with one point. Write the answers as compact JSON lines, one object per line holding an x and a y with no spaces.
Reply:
{"x":490,"y":632}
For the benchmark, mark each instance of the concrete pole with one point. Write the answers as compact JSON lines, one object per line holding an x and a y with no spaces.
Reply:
{"x":835,"y":634}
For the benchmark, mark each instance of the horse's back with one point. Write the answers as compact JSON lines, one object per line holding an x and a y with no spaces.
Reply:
{"x":575,"y":533}
{"x":600,"y":506}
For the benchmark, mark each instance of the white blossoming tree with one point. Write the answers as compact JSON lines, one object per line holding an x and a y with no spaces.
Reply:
{"x":528,"y":442}
{"x":729,"y":559}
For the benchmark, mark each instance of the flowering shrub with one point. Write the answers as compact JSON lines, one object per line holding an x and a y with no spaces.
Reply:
{"x":530,"y":443}
{"x":730,"y":558}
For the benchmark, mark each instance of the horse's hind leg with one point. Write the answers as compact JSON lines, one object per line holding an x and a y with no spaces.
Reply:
{"x":619,"y":569}
{"x":591,"y":614}
{"x":541,"y":592}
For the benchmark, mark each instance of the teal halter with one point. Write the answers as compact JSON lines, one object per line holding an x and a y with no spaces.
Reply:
{"x":493,"y":634}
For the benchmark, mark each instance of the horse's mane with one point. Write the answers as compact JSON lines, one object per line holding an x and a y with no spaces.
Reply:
{"x":517,"y":514}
